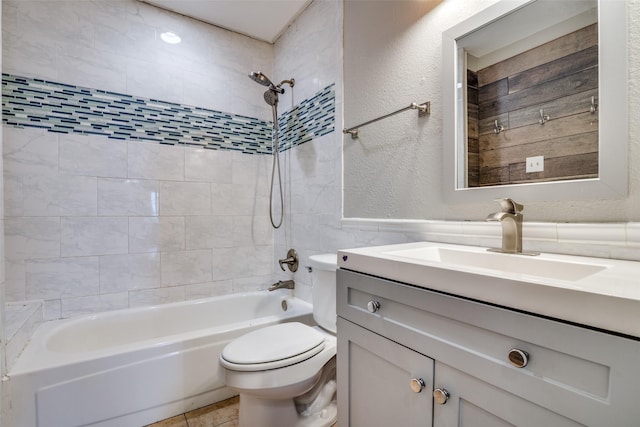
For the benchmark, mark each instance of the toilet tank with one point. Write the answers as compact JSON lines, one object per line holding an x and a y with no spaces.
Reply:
{"x":323,"y":289}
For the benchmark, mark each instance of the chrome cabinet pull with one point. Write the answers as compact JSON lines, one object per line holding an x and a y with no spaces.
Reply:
{"x":518,"y":358}
{"x":417,"y":384}
{"x":373,"y":306}
{"x":440,"y":395}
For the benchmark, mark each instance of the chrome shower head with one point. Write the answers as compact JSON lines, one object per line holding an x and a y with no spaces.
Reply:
{"x":258,"y":77}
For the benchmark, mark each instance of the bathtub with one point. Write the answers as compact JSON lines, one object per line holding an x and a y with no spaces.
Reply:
{"x":136,"y":366}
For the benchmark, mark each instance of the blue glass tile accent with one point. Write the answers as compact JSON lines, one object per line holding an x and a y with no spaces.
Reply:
{"x":64,"y":108}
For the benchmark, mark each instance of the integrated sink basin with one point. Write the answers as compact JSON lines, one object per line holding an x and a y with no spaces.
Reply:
{"x":499,"y":262}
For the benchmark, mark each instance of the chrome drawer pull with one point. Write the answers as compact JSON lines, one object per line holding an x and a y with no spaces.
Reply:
{"x":373,"y":306}
{"x":417,"y":384}
{"x":518,"y":358}
{"x":440,"y":395}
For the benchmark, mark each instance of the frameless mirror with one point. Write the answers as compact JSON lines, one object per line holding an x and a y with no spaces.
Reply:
{"x":535,"y":103}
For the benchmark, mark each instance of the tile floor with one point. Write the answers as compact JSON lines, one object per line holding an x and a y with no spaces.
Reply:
{"x":221,"y":414}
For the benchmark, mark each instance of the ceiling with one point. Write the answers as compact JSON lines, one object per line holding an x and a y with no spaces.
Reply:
{"x":261,"y":19}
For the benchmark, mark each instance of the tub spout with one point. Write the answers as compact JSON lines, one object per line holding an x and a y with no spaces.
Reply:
{"x":286,"y":284}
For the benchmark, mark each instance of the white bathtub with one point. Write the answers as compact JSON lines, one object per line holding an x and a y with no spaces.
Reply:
{"x":136,"y":366}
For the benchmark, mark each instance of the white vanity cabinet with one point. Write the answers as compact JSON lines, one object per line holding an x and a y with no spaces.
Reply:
{"x":409,"y":356}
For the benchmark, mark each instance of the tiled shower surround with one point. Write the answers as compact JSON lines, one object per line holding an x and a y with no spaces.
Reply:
{"x":115,"y":201}
{"x":63,"y":108}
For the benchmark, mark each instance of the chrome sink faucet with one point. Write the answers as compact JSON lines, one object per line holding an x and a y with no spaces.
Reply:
{"x":511,"y":220}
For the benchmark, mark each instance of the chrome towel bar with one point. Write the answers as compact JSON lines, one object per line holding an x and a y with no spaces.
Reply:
{"x":423,"y":110}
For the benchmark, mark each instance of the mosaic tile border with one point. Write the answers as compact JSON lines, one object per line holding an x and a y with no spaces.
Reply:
{"x":63,"y":108}
{"x":312,"y":118}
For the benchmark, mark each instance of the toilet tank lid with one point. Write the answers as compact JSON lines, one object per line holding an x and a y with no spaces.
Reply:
{"x":324,"y":261}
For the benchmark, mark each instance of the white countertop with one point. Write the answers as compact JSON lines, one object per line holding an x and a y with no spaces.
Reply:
{"x":608,"y":299}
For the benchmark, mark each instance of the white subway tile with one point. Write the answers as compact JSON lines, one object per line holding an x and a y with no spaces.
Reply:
{"x":155,"y":161}
{"x":27,"y":238}
{"x":157,"y":234}
{"x":185,"y":198}
{"x":204,"y":232}
{"x":85,"y":236}
{"x":120,"y":273}
{"x":187,"y":267}
{"x":127,"y":197}
{"x":61,"y":277}
{"x":93,"y":155}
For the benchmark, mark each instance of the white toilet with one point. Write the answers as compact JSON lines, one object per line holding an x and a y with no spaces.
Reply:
{"x":285,"y":373}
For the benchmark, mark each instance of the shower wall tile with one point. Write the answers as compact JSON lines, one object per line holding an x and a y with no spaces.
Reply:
{"x":127,"y":197}
{"x":56,"y":195}
{"x":119,"y":273}
{"x":223,"y":263}
{"x":15,"y":280}
{"x":253,"y":261}
{"x":208,"y":166}
{"x":13,"y":195}
{"x":157,"y":296}
{"x":92,"y":155}
{"x":251,"y":284}
{"x":156,"y":234}
{"x":28,"y":238}
{"x":209,"y":232}
{"x":155,"y":161}
{"x":206,"y":290}
{"x":29,"y":152}
{"x":252,"y":230}
{"x":86,"y":67}
{"x":71,"y":307}
{"x":185,"y":198}
{"x":51,"y":309}
{"x":86,"y":236}
{"x":186,"y":267}
{"x":61,"y":277}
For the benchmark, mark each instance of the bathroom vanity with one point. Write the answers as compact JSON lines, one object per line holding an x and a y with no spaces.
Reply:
{"x":446,"y":335}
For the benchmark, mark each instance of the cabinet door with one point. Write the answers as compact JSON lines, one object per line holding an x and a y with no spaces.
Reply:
{"x":378,"y":381}
{"x":474,"y":403}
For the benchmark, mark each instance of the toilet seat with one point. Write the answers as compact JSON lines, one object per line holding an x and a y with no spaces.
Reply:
{"x":272,"y":347}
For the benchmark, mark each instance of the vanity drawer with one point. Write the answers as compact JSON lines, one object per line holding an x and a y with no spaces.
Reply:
{"x":589,"y":376}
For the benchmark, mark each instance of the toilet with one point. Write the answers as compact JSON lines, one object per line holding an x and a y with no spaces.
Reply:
{"x":285,"y":373}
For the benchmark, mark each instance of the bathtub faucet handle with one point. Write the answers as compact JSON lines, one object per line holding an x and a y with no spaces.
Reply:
{"x":291,"y":260}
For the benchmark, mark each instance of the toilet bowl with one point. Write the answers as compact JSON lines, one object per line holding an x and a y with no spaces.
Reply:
{"x":285,"y":373}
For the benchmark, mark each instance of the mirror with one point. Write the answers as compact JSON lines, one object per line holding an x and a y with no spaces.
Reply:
{"x":535,"y":103}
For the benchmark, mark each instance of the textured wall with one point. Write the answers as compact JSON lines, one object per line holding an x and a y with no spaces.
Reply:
{"x":393,"y":57}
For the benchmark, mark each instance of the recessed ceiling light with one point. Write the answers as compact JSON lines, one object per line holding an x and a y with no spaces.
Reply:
{"x":171,"y":38}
